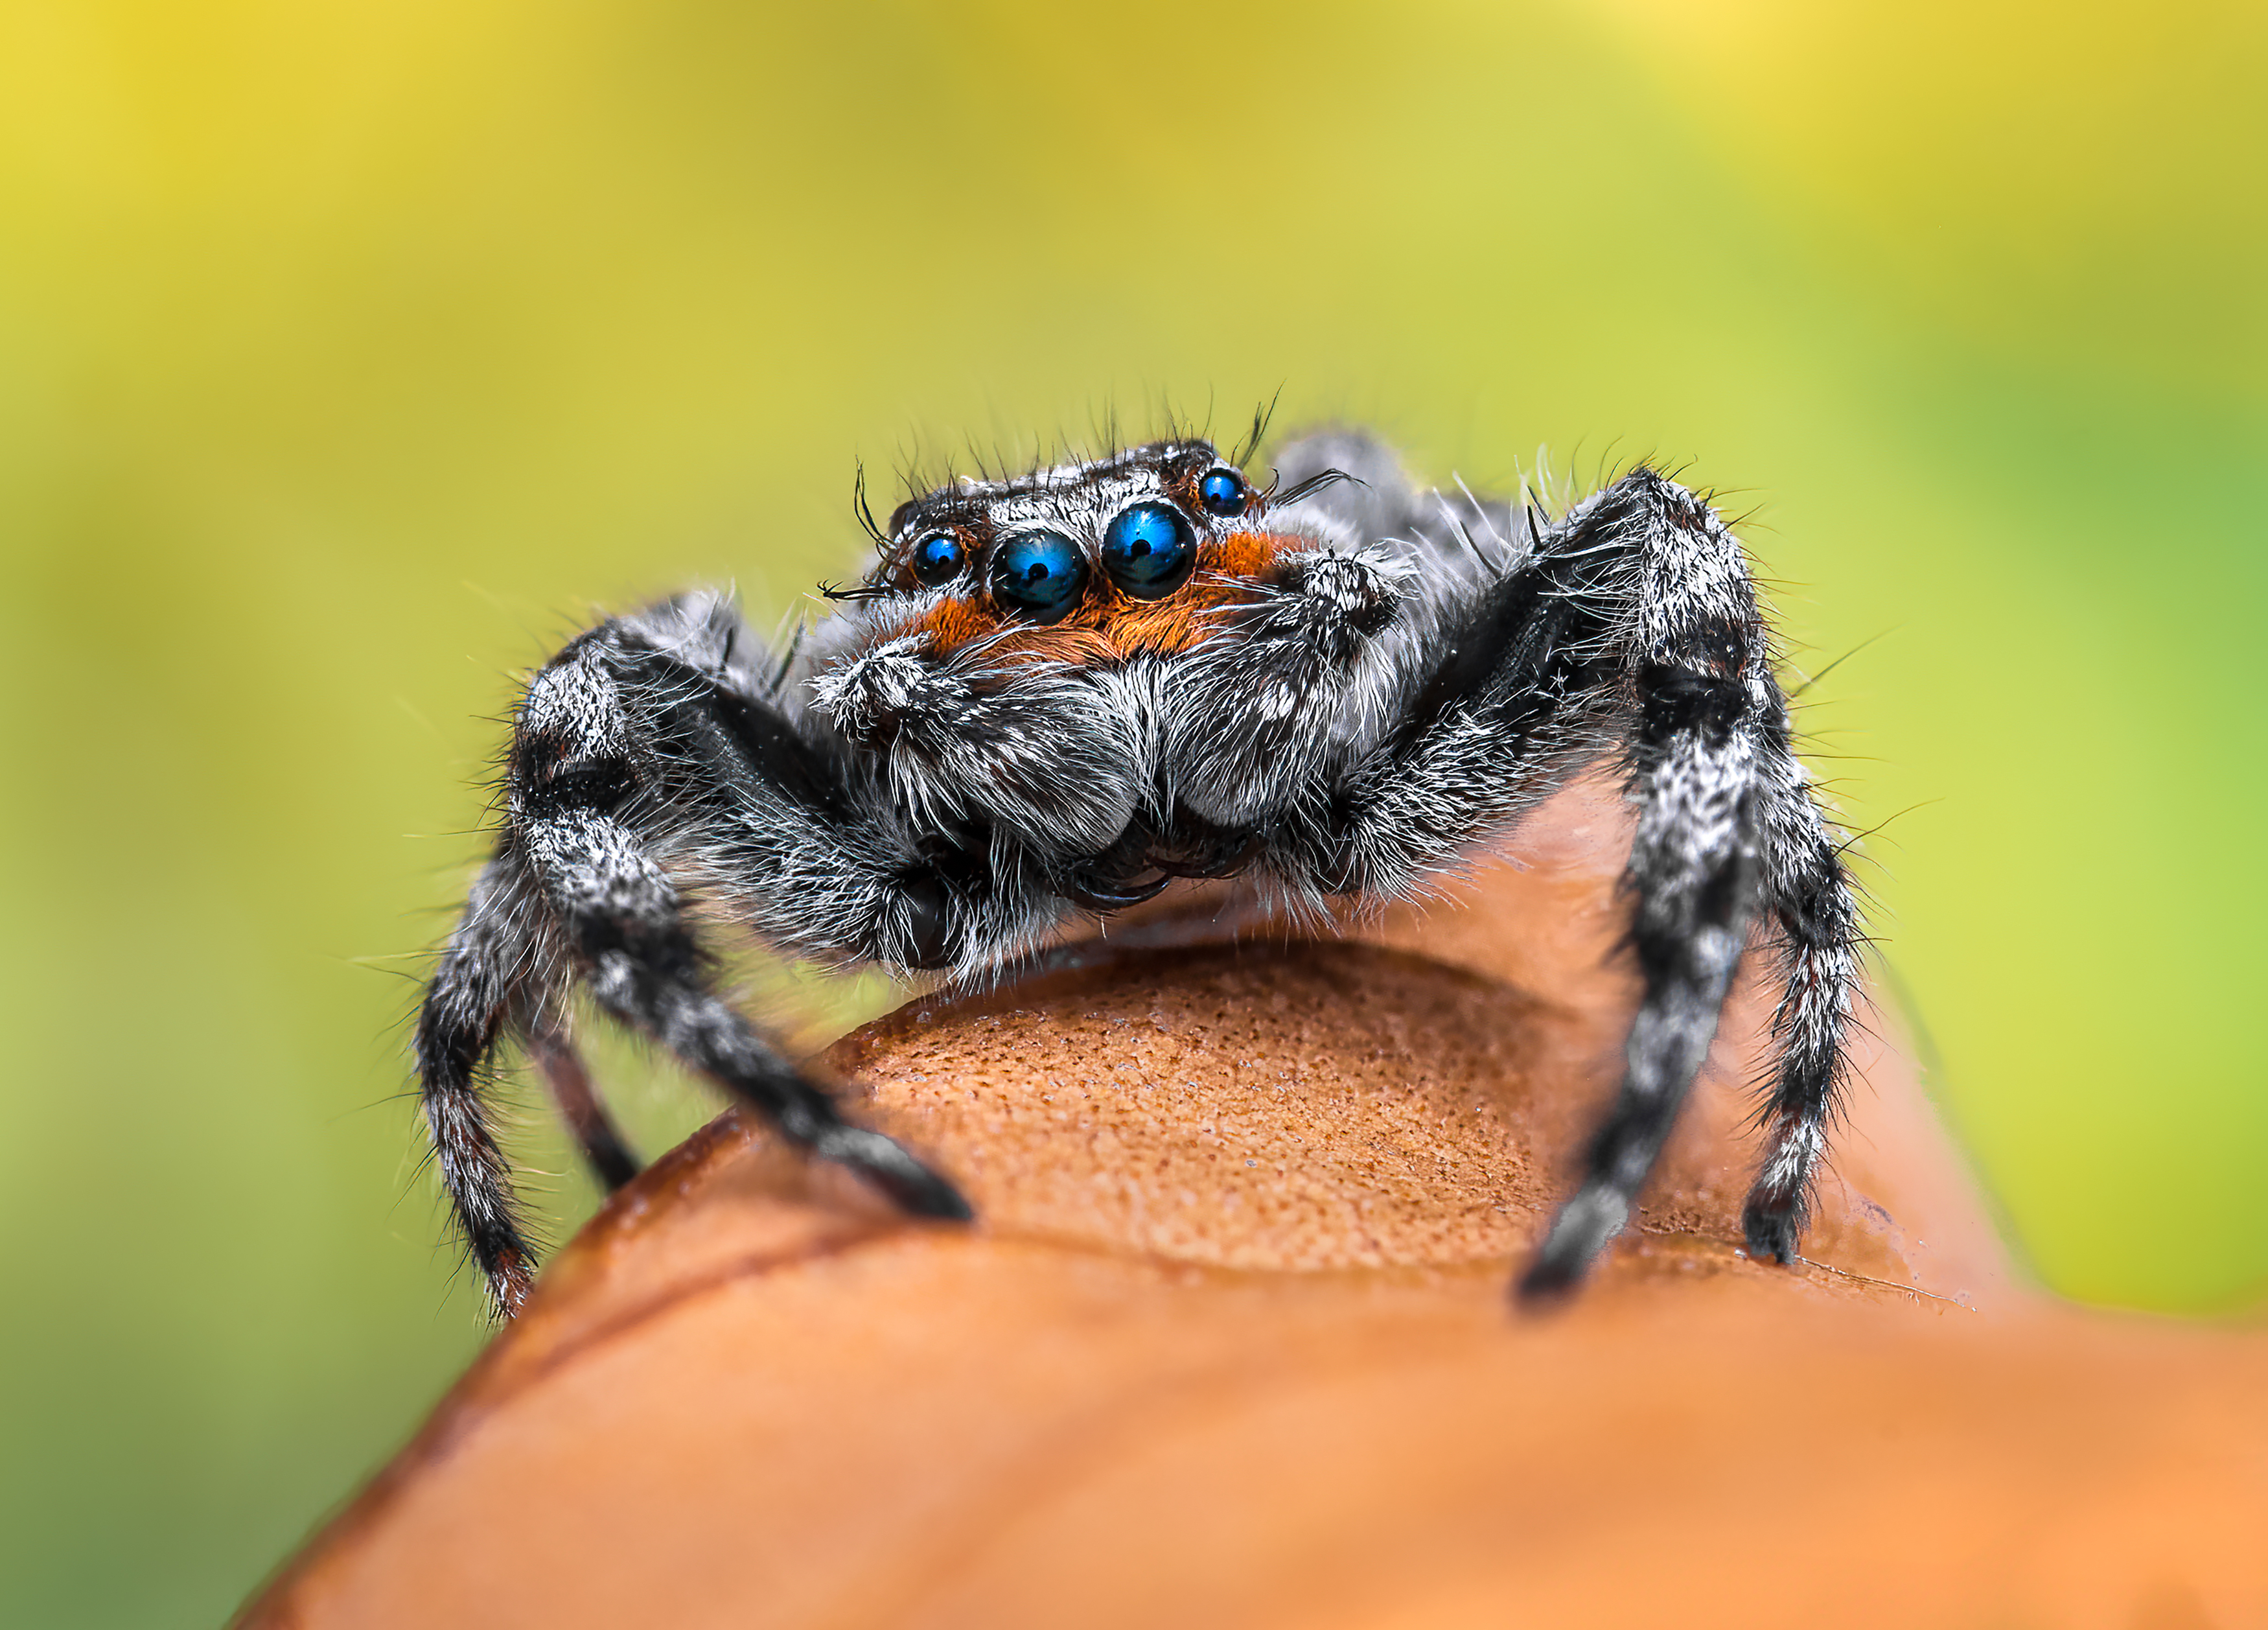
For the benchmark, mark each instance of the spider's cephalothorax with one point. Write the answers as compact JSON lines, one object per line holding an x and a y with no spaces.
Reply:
{"x":1054,"y":695}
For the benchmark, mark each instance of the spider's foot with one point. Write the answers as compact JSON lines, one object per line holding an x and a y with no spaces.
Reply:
{"x":510,"y":1277}
{"x":1772,"y":1229}
{"x":1546,"y":1285}
{"x":1579,"y":1233}
{"x":915,"y":1189}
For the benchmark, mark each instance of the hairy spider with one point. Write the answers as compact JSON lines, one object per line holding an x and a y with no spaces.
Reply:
{"x":1056,"y":693}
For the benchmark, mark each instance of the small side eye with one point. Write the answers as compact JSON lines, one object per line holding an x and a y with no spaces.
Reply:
{"x":1040,"y":574}
{"x":938,"y":557}
{"x":1148,"y":550}
{"x":1223,"y":491}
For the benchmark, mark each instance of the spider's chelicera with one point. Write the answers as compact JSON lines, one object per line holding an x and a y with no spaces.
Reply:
{"x":1054,"y":695}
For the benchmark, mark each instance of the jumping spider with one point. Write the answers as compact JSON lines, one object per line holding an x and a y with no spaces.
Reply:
{"x":1055,"y":694}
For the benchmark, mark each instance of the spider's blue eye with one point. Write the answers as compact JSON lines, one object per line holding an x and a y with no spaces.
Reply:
{"x":1148,"y":550}
{"x":1040,"y":574}
{"x":938,"y":557}
{"x":1223,"y":491}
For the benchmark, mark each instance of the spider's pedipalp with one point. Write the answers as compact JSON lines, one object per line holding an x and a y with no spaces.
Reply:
{"x":1298,"y":683}
{"x":1027,"y":746}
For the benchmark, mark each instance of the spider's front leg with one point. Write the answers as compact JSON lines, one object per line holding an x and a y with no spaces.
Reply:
{"x":628,"y":751}
{"x":636,"y":744}
{"x":1628,"y":631}
{"x":493,"y":963}
{"x":1726,"y":827}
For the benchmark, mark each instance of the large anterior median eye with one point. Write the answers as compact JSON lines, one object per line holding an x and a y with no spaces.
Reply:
{"x":937,"y":557}
{"x":1039,"y":573}
{"x":1148,"y":550}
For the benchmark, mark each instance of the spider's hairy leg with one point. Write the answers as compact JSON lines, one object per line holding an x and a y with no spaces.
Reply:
{"x":1723,"y":811}
{"x":643,"y":965}
{"x":468,"y":1005}
{"x":1813,"y":904}
{"x":1628,"y":629}
{"x":624,"y":751}
{"x":1506,"y":718}
{"x":605,"y":1150}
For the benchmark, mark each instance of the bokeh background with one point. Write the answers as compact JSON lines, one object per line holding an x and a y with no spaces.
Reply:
{"x":351,"y":353}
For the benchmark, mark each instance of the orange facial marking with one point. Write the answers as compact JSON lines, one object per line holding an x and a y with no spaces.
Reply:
{"x":1108,"y":625}
{"x":1225,"y":569}
{"x":952,"y":623}
{"x":1249,"y":555}
{"x":957,"y":624}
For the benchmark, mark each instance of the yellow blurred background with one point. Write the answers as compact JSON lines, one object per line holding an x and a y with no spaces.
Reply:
{"x":350,"y":354}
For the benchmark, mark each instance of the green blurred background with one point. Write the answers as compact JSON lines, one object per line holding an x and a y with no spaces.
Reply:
{"x":351,"y":353}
